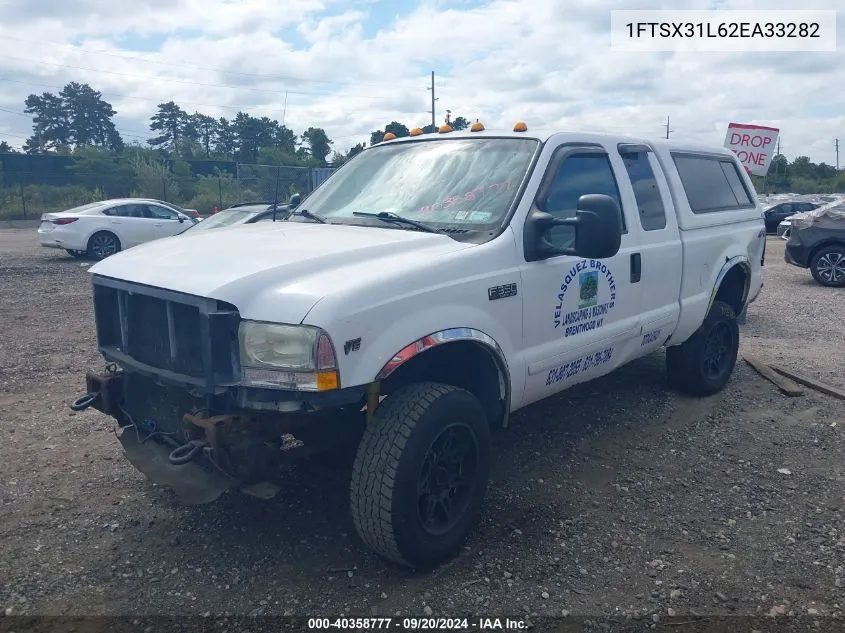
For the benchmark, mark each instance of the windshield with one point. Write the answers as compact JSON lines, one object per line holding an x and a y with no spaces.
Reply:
{"x":227,"y":218}
{"x":464,"y":182}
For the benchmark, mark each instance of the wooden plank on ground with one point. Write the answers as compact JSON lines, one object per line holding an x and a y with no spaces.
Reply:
{"x":812,"y":383}
{"x":785,"y":385}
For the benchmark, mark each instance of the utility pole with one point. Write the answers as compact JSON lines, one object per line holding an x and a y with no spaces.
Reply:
{"x":448,"y":117}
{"x":836,"y":142}
{"x":433,"y":99}
{"x":667,"y":127}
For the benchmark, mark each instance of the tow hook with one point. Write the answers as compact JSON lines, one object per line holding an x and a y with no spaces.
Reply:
{"x":187,"y":452}
{"x":80,"y":404}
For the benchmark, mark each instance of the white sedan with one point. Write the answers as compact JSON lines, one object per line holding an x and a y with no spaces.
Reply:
{"x":103,"y":228}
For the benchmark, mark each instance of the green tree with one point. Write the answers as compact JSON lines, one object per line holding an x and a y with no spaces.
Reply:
{"x":802,"y":167}
{"x":226,"y":142}
{"x":5,"y":148}
{"x":77,"y":116}
{"x":89,"y":117}
{"x":459,"y":123}
{"x":318,"y":142}
{"x":284,"y":139}
{"x":399,"y":129}
{"x":339,"y":158}
{"x":376,"y":137}
{"x":206,"y":129}
{"x":50,"y":124}
{"x":251,"y":134}
{"x":170,"y":121}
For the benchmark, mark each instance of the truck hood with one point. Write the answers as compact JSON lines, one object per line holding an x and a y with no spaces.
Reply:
{"x":244,"y":265}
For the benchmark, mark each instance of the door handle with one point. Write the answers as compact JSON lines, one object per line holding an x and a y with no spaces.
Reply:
{"x":636,"y":267}
{"x":158,"y":224}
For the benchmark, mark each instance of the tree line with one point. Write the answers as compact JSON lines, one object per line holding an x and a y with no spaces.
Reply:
{"x":79,"y":117}
{"x":79,"y":122}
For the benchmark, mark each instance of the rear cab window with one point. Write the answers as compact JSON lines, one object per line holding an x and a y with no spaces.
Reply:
{"x":651,"y":210}
{"x":712,"y":183}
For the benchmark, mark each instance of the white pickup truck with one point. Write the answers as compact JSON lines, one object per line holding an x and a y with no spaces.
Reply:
{"x":429,"y":288}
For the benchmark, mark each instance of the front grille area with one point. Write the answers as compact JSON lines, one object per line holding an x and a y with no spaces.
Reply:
{"x":158,"y":331}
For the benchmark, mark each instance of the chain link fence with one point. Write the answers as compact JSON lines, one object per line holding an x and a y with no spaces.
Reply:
{"x":26,"y":195}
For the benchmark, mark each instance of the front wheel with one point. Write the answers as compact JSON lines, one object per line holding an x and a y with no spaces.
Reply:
{"x":420,"y":474}
{"x":828,"y":266}
{"x":703,"y":364}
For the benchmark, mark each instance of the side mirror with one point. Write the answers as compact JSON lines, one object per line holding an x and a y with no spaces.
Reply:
{"x":598,"y":227}
{"x":181,"y":219}
{"x":597,"y":230}
{"x":294,"y":201}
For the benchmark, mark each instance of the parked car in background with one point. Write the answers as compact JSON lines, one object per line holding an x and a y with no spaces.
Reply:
{"x":242,"y":214}
{"x":773,"y":216}
{"x":817,"y":241}
{"x":101,"y":229}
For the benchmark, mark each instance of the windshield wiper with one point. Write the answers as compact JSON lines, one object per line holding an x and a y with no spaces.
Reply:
{"x":305,"y":213}
{"x":390,"y":217}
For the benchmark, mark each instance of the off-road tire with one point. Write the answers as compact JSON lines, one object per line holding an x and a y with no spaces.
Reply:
{"x":94,"y":252}
{"x":685,"y":363}
{"x":833,"y":274}
{"x":384,"y":488}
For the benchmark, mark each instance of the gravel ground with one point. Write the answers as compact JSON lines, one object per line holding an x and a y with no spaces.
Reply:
{"x":618,"y":498}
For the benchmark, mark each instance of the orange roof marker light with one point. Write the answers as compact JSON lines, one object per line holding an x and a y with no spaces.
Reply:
{"x":478,"y":126}
{"x":416,"y":131}
{"x":445,"y":129}
{"x":520,"y":127}
{"x":389,"y":136}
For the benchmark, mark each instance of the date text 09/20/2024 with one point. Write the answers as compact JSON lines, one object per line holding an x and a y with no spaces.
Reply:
{"x":418,"y":624}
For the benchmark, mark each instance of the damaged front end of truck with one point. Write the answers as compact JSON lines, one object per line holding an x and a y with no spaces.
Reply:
{"x":186,"y":418}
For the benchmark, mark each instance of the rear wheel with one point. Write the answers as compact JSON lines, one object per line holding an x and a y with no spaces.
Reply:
{"x":421,"y":473}
{"x":103,"y":244}
{"x":703,"y":364}
{"x":828,"y":266}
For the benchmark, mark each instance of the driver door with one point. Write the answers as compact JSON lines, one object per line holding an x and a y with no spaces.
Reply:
{"x":581,"y":316}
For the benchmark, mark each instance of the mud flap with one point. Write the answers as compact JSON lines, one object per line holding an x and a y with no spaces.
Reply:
{"x":194,"y":483}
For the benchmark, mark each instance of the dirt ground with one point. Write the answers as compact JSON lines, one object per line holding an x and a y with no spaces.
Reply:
{"x":618,"y":498}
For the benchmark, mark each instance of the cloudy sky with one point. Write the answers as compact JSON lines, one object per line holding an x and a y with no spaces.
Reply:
{"x":351,"y":66}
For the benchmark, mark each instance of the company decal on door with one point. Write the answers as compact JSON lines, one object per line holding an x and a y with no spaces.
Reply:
{"x":586,"y":296}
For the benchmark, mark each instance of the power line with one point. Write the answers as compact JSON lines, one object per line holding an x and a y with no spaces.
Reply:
{"x":111,"y":53}
{"x":189,"y":83}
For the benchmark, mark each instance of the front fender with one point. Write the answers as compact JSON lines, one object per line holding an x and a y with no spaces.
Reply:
{"x":440,"y":325}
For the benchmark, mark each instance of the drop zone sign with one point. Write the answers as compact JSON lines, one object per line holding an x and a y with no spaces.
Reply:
{"x":754,"y":145}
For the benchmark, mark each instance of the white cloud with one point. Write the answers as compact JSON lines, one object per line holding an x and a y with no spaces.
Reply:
{"x":547,"y":62}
